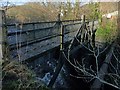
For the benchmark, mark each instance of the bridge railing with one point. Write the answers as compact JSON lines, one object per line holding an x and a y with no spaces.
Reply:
{"x":37,"y":32}
{"x":27,"y":40}
{"x":38,"y":36}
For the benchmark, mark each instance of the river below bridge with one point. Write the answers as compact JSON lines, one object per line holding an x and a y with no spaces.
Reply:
{"x":68,"y":78}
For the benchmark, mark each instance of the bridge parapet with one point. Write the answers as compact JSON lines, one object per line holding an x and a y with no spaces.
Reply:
{"x":27,"y":40}
{"x":29,"y":43}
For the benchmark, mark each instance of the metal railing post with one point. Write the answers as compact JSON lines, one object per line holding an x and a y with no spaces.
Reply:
{"x":61,"y":58}
{"x":93,"y":34}
{"x":83,"y":30}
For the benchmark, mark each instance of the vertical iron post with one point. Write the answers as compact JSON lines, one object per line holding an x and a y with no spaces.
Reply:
{"x":93,"y":34}
{"x":83,"y":30}
{"x":61,"y":58}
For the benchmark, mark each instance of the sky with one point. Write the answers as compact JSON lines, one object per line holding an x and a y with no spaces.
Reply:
{"x":19,"y":2}
{"x":58,"y":0}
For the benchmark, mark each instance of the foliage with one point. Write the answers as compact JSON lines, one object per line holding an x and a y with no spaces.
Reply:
{"x":36,"y":11}
{"x":107,"y":32}
{"x":95,"y":13}
{"x":16,"y":76}
{"x":98,"y":65}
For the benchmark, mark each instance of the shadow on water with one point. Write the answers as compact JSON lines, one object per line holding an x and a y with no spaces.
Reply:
{"x":76,"y":83}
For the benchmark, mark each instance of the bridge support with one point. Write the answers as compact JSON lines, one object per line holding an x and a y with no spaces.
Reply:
{"x":3,"y":36}
{"x":118,"y":23}
{"x":2,"y":42}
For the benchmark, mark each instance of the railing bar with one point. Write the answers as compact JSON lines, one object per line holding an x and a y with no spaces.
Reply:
{"x":32,"y":42}
{"x":72,"y":24}
{"x":48,"y":36}
{"x":39,"y":40}
{"x":22,"y":32}
{"x":44,"y":22}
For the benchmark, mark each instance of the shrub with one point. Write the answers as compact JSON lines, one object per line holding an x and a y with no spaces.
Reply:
{"x":16,"y":76}
{"x":107,"y":32}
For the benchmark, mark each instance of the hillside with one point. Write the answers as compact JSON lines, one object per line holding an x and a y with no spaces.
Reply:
{"x":31,"y":12}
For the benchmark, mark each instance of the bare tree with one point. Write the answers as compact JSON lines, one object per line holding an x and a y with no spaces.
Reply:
{"x":106,"y":72}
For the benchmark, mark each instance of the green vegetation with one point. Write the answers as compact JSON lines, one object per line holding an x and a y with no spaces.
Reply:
{"x":107,"y":30}
{"x":95,"y":13}
{"x":36,"y":11}
{"x":107,"y":33}
{"x":16,"y":76}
